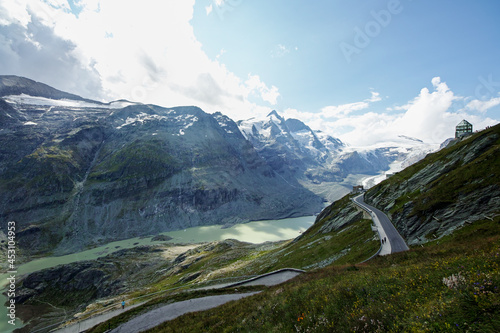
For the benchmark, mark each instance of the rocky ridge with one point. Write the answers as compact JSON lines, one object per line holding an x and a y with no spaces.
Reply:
{"x":293,"y":149}
{"x":450,"y":188}
{"x":76,"y":172}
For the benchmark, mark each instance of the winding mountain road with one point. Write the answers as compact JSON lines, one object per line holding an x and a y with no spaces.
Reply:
{"x":395,"y":243}
{"x":170,"y":311}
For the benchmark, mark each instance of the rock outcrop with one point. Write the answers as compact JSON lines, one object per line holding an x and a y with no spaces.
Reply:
{"x":75,"y":172}
{"x":455,"y":186}
{"x":294,"y":150}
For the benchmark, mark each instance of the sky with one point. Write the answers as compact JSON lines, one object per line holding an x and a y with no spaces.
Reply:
{"x":362,"y":71}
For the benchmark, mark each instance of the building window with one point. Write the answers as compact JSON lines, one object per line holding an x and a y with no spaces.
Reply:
{"x":463,"y":128}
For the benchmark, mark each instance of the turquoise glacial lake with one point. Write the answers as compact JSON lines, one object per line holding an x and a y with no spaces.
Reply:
{"x":252,"y":232}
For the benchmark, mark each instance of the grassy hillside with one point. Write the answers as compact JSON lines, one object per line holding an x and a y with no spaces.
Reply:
{"x":339,"y":235}
{"x":450,"y":281}
{"x":164,"y":273}
{"x":448,"y":285}
{"x":452,"y":187}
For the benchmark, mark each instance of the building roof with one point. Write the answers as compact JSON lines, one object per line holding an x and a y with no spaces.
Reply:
{"x":464,"y":123}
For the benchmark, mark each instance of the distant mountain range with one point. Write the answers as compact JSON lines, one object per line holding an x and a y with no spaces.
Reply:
{"x":76,"y":172}
{"x":449,"y":201}
{"x":322,"y":163}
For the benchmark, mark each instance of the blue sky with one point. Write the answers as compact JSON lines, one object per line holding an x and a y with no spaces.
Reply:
{"x":456,"y":40}
{"x":364,"y":71}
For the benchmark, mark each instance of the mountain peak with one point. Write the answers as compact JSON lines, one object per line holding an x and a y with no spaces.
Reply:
{"x":275,"y":114}
{"x":17,"y":85}
{"x":296,"y":125}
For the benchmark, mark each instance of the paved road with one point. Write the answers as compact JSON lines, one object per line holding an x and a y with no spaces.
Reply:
{"x":395,"y":243}
{"x":86,"y":324}
{"x":270,"y":279}
{"x":174,"y":310}
{"x":171,"y":311}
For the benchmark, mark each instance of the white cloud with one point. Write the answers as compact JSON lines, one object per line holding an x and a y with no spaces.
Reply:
{"x":296,"y":114}
{"x":156,"y":58}
{"x":343,"y":110}
{"x":375,"y":97}
{"x":279,"y":51}
{"x":221,"y":53}
{"x":269,"y":95}
{"x":153,"y":58}
{"x":58,"y":4}
{"x":35,"y":51}
{"x":483,"y":106}
{"x":428,"y":117}
{"x":398,"y":108}
{"x":336,"y":111}
{"x":209,"y":9}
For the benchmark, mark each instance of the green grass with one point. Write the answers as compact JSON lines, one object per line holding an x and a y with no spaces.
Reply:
{"x":455,"y":180}
{"x":230,"y":259}
{"x":145,"y":159}
{"x":404,"y":292}
{"x":164,"y":300}
{"x":55,"y":170}
{"x":352,"y":244}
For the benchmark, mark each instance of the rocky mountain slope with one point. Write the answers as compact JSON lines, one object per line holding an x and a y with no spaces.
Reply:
{"x":339,"y":235}
{"x":453,"y":192}
{"x":291,"y":147}
{"x":450,"y":202}
{"x":75,"y":172}
{"x":322,"y":163}
{"x":451,"y":188}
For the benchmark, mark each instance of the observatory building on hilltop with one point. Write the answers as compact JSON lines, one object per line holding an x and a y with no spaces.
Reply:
{"x":463,"y":128}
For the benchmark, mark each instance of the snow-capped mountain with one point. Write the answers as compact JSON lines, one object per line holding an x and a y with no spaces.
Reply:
{"x":293,"y":149}
{"x":290,"y":146}
{"x":76,"y":172}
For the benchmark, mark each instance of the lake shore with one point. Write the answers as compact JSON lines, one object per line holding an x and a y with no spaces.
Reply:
{"x":251,"y":232}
